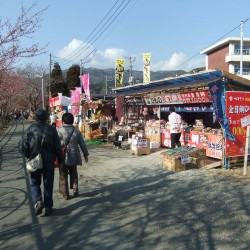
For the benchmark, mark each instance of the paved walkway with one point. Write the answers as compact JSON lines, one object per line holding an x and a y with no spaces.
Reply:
{"x":126,"y":202}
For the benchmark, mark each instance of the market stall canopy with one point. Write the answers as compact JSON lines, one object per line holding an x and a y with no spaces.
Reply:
{"x":60,"y":100}
{"x":201,"y":79}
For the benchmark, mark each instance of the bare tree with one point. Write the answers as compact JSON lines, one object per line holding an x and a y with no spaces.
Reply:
{"x":11,"y":49}
{"x":12,"y":35}
{"x":31,"y":92}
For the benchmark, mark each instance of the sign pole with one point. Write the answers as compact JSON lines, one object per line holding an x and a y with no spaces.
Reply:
{"x":246,"y":151}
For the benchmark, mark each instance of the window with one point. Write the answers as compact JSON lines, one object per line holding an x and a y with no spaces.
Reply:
{"x":245,"y":51}
{"x":245,"y":69}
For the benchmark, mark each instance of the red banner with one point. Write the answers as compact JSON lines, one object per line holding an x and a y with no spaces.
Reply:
{"x":211,"y":142}
{"x":166,"y":140}
{"x":55,"y":101}
{"x":237,"y":112}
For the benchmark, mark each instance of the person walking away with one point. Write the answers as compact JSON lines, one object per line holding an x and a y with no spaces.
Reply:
{"x":53,"y":119}
{"x":49,"y":149}
{"x":104,"y":127}
{"x":175,"y":122}
{"x":73,"y":139}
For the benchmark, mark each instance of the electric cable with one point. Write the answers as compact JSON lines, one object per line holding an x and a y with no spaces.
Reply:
{"x":106,"y":29}
{"x":108,"y":23}
{"x":191,"y":58}
{"x":85,"y":42}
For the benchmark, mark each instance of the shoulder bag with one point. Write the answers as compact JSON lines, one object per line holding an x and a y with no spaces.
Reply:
{"x":64,"y":149}
{"x":65,"y":146}
{"x":36,"y":163}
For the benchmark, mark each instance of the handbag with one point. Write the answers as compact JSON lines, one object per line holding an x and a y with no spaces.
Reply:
{"x":36,"y":163}
{"x":64,"y":150}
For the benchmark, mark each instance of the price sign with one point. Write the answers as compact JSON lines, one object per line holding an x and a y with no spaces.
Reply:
{"x":185,"y":159}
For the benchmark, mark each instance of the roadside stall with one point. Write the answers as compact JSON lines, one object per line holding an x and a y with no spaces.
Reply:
{"x":59,"y":104}
{"x":192,"y":97}
{"x":98,"y":122}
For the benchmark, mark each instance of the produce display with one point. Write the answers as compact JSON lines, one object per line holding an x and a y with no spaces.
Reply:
{"x":183,"y":158}
{"x":186,"y":150}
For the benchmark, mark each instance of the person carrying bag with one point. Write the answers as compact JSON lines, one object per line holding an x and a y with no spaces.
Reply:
{"x":37,"y":140}
{"x":35,"y":163}
{"x":74,"y":140}
{"x":64,"y":150}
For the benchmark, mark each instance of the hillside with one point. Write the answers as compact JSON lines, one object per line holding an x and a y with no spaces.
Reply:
{"x":102,"y":81}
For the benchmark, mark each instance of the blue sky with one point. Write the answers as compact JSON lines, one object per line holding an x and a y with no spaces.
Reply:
{"x":173,"y":31}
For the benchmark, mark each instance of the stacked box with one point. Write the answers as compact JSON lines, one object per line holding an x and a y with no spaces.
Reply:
{"x":154,"y":145}
{"x":140,"y":147}
{"x":172,"y":162}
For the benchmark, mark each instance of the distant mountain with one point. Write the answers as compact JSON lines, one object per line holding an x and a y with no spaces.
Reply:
{"x":102,"y":81}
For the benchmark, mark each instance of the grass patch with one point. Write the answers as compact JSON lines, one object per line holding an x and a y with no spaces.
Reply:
{"x":94,"y":142}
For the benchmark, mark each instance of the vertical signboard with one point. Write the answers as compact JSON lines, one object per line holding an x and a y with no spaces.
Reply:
{"x":119,"y":72}
{"x":146,"y":67}
{"x":238,"y":114}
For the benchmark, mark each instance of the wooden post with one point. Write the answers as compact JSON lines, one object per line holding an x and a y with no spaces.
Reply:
{"x":246,"y":151}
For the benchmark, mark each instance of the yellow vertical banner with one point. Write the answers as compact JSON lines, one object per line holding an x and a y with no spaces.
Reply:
{"x":146,"y":67}
{"x":119,"y":72}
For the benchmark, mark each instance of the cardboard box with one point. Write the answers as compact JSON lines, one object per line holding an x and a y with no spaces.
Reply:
{"x":172,"y":164}
{"x":154,"y":145}
{"x":140,"y":147}
{"x":197,"y":159}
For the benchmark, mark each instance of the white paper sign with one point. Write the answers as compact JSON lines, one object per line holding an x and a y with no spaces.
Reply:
{"x":185,"y":159}
{"x":142,"y":143}
{"x":245,"y":121}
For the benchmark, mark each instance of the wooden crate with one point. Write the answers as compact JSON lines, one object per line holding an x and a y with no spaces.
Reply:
{"x":139,"y":150}
{"x":173,"y":163}
{"x":88,"y":136}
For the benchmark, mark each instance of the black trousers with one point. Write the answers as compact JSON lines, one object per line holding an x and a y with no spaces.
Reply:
{"x":175,"y":139}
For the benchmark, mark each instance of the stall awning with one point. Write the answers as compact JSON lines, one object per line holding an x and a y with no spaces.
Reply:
{"x":185,"y":81}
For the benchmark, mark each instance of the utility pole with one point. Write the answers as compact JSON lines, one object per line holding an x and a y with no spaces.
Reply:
{"x":42,"y":76}
{"x":131,"y":60}
{"x":241,"y":48}
{"x":106,"y":81}
{"x":82,"y":65}
{"x":49,"y":76}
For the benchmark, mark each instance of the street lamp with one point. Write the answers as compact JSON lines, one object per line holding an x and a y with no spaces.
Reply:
{"x":41,"y":76}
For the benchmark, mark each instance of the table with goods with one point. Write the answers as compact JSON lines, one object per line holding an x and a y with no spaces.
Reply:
{"x":198,"y":136}
{"x":183,"y":158}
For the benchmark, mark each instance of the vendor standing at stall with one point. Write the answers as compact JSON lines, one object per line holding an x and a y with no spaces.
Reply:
{"x":104,"y":126}
{"x":175,"y":123}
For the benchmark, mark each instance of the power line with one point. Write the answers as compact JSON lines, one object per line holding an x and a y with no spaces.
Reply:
{"x":211,"y":44}
{"x":101,"y":30}
{"x":84,"y":44}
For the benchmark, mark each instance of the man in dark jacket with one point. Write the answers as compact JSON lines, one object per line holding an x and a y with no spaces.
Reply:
{"x":49,"y":149}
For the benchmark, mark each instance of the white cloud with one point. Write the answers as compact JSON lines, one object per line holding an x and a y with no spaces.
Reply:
{"x":106,"y":59}
{"x":178,"y":61}
{"x":76,"y":50}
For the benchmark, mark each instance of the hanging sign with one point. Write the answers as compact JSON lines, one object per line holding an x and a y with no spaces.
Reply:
{"x":190,"y":108}
{"x":146,"y":67}
{"x":179,"y":98}
{"x":238,"y":113}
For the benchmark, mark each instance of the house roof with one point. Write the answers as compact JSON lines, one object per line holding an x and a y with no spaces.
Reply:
{"x":222,"y":43}
{"x":183,"y":82}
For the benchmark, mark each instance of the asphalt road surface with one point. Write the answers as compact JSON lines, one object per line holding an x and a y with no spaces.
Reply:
{"x":126,"y":202}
